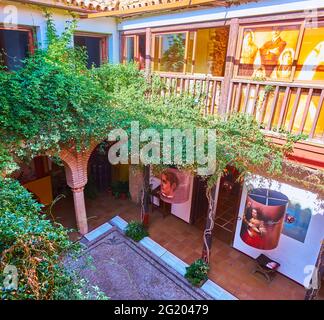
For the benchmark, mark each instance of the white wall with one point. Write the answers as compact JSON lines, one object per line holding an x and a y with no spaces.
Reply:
{"x":28,"y":15}
{"x":294,"y":256}
{"x":212,"y":14}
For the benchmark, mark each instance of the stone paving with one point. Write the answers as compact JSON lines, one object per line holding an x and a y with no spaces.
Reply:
{"x":125,"y":270}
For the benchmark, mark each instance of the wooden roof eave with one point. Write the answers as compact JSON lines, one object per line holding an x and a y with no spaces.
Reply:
{"x":82,"y":11}
{"x":162,"y":7}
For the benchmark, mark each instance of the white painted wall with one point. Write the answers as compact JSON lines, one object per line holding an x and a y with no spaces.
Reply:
{"x":294,"y":256}
{"x":29,"y":15}
{"x":212,"y":14}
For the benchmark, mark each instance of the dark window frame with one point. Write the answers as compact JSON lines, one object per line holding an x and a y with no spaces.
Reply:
{"x":31,"y":33}
{"x":104,"y":38}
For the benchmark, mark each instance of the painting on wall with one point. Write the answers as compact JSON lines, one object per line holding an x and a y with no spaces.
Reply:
{"x":263,"y":218}
{"x":297,"y":221}
{"x":268,"y":52}
{"x":268,"y":214}
{"x":175,"y":186}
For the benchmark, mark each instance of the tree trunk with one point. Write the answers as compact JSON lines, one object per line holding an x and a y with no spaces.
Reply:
{"x":212,"y":195}
{"x":145,"y":200}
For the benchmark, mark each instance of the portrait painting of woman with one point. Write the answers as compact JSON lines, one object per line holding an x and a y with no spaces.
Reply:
{"x":284,"y":69}
{"x":263,"y":218}
{"x":249,"y":53}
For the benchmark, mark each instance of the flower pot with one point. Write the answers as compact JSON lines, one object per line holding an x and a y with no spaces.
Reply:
{"x":201,"y":283}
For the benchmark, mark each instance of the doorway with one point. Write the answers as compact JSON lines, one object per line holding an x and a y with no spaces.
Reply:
{"x":229,"y":196}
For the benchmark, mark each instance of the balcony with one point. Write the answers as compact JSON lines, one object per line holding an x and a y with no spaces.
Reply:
{"x":203,"y":87}
{"x":279,"y":107}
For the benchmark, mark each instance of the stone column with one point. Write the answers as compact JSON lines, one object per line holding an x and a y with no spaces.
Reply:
{"x":76,"y":164}
{"x":135,"y":183}
{"x":80,"y":210}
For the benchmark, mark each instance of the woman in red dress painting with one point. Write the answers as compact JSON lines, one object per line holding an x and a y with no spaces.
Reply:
{"x":255,"y":230}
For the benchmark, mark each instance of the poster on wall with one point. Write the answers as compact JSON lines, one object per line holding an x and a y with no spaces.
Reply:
{"x":283,"y":222}
{"x":263,"y":218}
{"x":297,"y":221}
{"x":268,"y":52}
{"x":175,"y":186}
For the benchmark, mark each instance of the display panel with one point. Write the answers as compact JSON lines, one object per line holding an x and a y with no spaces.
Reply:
{"x":268,"y":52}
{"x":300,"y":222}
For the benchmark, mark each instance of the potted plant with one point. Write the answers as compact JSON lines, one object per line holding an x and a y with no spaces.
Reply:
{"x":136,"y":231}
{"x":196,"y":273}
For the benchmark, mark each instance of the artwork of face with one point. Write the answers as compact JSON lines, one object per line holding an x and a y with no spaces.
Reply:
{"x":287,"y":58}
{"x":275,"y":35}
{"x":169,"y":183}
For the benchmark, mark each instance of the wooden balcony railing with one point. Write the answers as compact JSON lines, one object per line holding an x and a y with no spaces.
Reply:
{"x":203,"y":87}
{"x":277,"y":106}
{"x":281,"y":107}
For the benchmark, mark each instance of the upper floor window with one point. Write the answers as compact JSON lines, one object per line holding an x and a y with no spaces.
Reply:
{"x":95,"y":46}
{"x":15,"y":45}
{"x":200,"y":51}
{"x":133,"y":49}
{"x":169,"y":52}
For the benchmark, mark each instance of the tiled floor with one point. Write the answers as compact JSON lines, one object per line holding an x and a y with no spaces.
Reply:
{"x":230,"y":268}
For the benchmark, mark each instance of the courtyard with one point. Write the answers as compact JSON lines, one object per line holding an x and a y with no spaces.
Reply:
{"x":229,"y":268}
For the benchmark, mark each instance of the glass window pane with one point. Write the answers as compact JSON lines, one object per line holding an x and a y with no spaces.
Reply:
{"x":93,"y":48}
{"x":211,"y":50}
{"x":172,"y":52}
{"x":130,"y":49}
{"x":13,"y":48}
{"x":141,"y":49}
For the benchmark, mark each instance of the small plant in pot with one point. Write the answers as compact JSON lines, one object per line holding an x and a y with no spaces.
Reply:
{"x":136,"y":231}
{"x":196,"y":273}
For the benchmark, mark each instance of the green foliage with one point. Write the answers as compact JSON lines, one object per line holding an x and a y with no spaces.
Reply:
{"x":197,"y":272}
{"x":136,"y":230}
{"x":34,"y":245}
{"x":269,"y":88}
{"x":52,"y":101}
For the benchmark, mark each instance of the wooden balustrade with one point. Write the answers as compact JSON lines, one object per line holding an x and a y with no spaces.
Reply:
{"x":280,"y":106}
{"x":206,"y":88}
